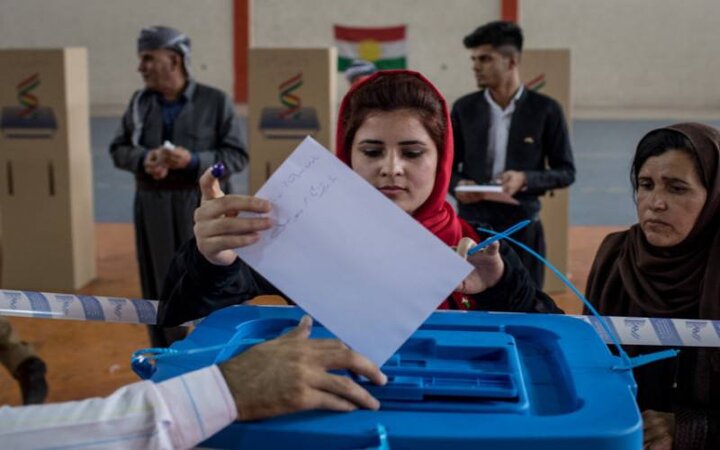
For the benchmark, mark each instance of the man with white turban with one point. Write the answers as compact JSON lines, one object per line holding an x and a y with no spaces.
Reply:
{"x":172,"y":131}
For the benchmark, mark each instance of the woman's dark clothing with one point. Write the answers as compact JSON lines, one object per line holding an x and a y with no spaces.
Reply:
{"x":631,"y":277}
{"x":194,"y":288}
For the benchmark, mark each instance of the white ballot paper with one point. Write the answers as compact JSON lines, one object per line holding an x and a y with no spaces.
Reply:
{"x":496,"y":188}
{"x":349,"y":256}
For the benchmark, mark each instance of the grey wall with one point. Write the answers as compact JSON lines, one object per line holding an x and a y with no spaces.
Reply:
{"x":645,"y":54}
{"x":434,"y":30}
{"x":109,"y":29}
{"x":627,"y":55}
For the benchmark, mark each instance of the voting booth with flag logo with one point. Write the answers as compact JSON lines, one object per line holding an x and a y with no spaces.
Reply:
{"x":46,"y":198}
{"x":292,"y":95}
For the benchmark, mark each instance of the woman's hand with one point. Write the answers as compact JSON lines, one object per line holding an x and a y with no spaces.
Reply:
{"x":658,"y":430}
{"x":218,"y":230}
{"x":489,"y":267}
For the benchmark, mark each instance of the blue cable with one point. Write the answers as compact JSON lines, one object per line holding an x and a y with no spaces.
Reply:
{"x":498,"y":236}
{"x":140,"y":359}
{"x":629,"y":363}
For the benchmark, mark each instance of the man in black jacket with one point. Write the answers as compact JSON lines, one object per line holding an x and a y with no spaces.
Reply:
{"x":508,"y":135}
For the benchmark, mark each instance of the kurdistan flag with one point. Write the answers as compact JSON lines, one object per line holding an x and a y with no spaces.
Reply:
{"x":384,"y":47}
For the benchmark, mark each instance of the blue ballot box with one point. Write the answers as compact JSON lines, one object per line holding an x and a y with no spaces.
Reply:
{"x":464,"y":380}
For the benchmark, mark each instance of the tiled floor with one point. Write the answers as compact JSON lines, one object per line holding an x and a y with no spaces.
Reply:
{"x":92,"y":359}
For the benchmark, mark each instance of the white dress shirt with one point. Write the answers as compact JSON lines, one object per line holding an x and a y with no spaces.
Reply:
{"x":176,"y":414}
{"x":500,"y":130}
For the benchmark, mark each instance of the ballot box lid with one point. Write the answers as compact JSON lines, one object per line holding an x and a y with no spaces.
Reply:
{"x":463,"y":380}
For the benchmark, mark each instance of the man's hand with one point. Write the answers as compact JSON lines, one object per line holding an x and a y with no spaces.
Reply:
{"x":176,"y":158}
{"x":658,"y":430}
{"x":154,"y":164}
{"x":469,"y":197}
{"x":513,"y":181}
{"x":290,"y":374}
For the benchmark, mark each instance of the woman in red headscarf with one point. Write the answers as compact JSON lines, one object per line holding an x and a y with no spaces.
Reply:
{"x":668,"y":265}
{"x":393,"y":130}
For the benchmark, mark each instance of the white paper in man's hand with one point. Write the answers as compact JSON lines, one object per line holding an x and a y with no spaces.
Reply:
{"x":349,"y":256}
{"x":489,"y":192}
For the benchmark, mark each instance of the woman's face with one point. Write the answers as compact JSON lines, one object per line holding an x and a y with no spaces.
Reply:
{"x":393,"y":151}
{"x":670,"y":197}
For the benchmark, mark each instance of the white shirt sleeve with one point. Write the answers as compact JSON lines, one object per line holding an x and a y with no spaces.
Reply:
{"x":175,"y":414}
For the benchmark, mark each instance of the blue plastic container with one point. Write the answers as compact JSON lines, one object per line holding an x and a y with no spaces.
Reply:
{"x":462,"y":381}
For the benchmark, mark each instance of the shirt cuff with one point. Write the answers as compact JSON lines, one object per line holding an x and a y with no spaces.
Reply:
{"x":200,"y":404}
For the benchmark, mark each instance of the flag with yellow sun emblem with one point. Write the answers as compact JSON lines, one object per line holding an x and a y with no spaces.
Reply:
{"x":384,"y":47}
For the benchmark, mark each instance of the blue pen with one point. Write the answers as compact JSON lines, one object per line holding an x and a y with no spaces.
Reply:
{"x":498,"y":236}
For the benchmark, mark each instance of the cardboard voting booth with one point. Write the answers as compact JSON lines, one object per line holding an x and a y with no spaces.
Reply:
{"x":292,"y":95}
{"x":46,"y":201}
{"x":548,"y":72}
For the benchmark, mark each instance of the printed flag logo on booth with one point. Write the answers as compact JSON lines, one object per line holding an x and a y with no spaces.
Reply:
{"x":384,"y":47}
{"x":537,"y":83}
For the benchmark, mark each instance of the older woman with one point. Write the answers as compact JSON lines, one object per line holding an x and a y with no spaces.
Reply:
{"x":394,"y":131}
{"x":668,"y":265}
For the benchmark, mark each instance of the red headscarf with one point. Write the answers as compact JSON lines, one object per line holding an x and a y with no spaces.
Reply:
{"x":436,"y":214}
